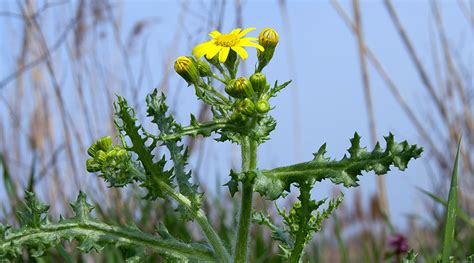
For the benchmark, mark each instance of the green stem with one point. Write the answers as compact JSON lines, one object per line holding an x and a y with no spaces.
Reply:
{"x":249,"y":162}
{"x":214,"y":239}
{"x":220,"y":79}
{"x":194,"y":129}
{"x":68,"y":229}
{"x":300,"y":240}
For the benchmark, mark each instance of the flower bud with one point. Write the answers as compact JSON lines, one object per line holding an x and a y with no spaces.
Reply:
{"x":258,"y":81}
{"x":92,"y":166}
{"x":204,"y":69}
{"x":245,"y":86}
{"x":231,"y":89}
{"x":247,"y":107}
{"x":268,"y":39}
{"x":262,"y":106}
{"x":104,"y":143}
{"x":187,"y":69}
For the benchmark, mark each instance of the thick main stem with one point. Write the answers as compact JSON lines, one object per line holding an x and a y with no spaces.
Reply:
{"x":249,"y":162}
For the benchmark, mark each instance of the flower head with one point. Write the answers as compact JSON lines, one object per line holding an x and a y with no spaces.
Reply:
{"x":398,"y":243}
{"x":222,"y":44}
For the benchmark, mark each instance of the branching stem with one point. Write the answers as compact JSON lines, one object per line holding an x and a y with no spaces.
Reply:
{"x":214,"y":239}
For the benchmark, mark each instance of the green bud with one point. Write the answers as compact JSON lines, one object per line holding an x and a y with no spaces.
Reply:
{"x":247,"y":107}
{"x":258,"y":81}
{"x":93,"y":149}
{"x":232,"y":91}
{"x":268,"y":39}
{"x":92,"y":166}
{"x":104,"y":143}
{"x":243,"y":85}
{"x":186,"y":67}
{"x":204,"y":69}
{"x":100,"y":157}
{"x":262,"y":106}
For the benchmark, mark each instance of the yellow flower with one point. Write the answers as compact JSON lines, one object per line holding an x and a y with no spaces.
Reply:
{"x":222,"y":44}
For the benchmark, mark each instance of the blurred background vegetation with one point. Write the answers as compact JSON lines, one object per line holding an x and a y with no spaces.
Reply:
{"x":64,"y":61}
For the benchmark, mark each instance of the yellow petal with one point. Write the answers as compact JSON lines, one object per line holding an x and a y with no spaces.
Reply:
{"x":212,"y":51}
{"x":245,"y":31}
{"x":235,"y":31}
{"x":250,"y":44}
{"x":201,"y":49}
{"x":248,"y":39}
{"x":223,"y":55}
{"x":214,"y":34}
{"x":242,"y":52}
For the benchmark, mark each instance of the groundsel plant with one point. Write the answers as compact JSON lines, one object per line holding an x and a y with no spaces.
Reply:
{"x":240,"y":116}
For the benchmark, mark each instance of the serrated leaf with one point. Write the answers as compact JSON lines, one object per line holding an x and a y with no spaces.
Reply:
{"x":34,"y":213}
{"x":272,"y":183}
{"x":88,"y":232}
{"x":155,"y":171}
{"x":157,"y":109}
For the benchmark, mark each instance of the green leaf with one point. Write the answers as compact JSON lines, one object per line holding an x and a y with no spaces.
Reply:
{"x":37,"y":235}
{"x":459,"y":212}
{"x":155,"y":171}
{"x":277,"y":88}
{"x":33,"y":215}
{"x":451,"y":211}
{"x":411,"y":257}
{"x":273,"y":183}
{"x":157,"y":109}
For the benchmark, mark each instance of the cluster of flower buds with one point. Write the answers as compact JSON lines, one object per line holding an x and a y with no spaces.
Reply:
{"x":113,"y":162}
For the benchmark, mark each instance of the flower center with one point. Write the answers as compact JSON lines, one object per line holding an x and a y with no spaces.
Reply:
{"x":227,"y":40}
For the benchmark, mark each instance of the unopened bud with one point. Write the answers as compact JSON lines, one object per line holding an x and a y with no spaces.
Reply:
{"x":204,"y":69}
{"x":92,"y":166}
{"x":262,"y":106}
{"x":258,"y":81}
{"x":187,"y":69}
{"x":104,"y":143}
{"x":247,"y":107}
{"x":268,"y":39}
{"x":245,"y":86}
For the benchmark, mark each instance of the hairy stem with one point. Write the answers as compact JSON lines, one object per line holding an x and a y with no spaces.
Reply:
{"x":300,"y":240}
{"x":214,"y":239}
{"x":67,"y":229}
{"x":249,"y":162}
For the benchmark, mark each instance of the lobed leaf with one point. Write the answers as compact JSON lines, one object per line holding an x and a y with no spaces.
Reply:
{"x":155,"y":171}
{"x":37,"y":236}
{"x":157,"y":109}
{"x":273,"y":183}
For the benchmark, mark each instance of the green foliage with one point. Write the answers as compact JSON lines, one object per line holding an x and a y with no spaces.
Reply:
{"x":36,"y":234}
{"x":273,"y":183}
{"x":451,"y":211}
